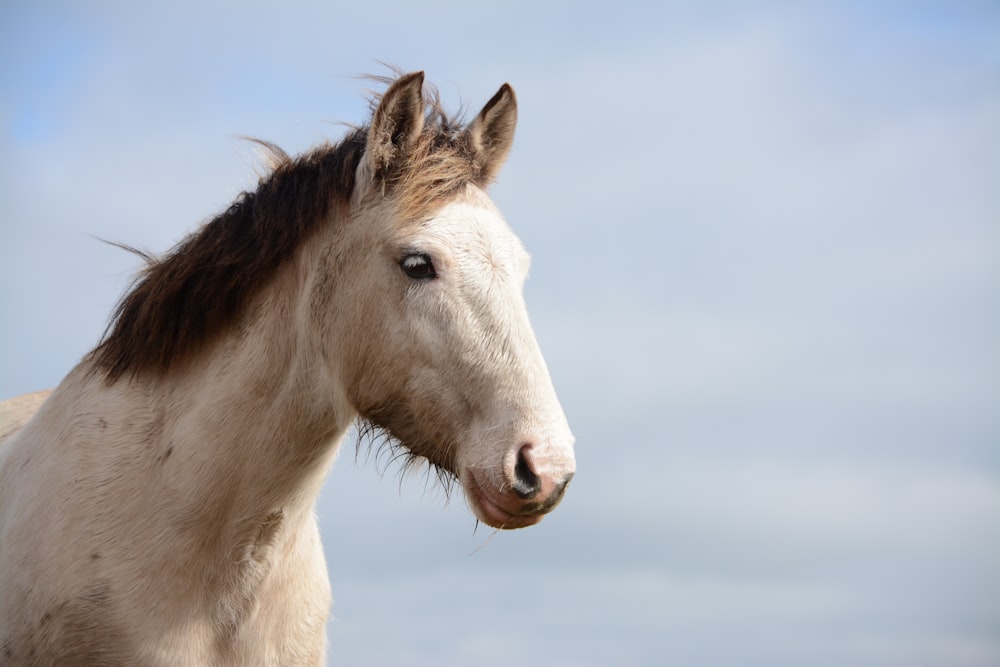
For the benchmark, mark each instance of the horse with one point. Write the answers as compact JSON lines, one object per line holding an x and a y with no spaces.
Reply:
{"x":157,"y":508}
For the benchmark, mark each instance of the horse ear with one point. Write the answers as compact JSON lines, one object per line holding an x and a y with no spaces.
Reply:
{"x":491,"y":134}
{"x":396,"y":123}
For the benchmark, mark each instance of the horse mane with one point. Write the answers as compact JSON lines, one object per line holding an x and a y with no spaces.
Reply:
{"x":202,"y":286}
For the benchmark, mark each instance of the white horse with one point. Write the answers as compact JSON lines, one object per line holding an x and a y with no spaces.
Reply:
{"x":158,"y":507}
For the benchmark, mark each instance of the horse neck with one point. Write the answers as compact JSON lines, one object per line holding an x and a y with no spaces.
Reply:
{"x":251,"y":424}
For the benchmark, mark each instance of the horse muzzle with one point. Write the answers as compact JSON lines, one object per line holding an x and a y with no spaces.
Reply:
{"x":529,"y":489}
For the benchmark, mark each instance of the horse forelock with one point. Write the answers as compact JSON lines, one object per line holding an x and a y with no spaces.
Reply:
{"x":440,"y":163}
{"x":202,"y":286}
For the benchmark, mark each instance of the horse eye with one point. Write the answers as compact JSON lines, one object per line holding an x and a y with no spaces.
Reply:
{"x":418,"y":266}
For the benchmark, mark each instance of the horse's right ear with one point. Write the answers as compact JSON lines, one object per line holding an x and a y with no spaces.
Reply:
{"x":396,"y":124}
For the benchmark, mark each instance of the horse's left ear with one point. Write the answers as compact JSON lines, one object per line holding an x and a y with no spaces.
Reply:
{"x":491,"y":134}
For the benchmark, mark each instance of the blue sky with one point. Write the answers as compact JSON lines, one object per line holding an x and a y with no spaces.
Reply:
{"x":766,"y":277}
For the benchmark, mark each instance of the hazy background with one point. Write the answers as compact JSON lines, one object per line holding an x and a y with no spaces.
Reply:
{"x":766,"y":278}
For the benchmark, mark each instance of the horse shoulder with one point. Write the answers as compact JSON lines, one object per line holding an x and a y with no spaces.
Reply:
{"x":53,"y":606}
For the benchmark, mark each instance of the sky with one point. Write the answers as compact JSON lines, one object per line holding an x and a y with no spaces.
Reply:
{"x":765,"y":277}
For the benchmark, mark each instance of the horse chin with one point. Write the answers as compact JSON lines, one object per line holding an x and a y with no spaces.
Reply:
{"x":489,"y":511}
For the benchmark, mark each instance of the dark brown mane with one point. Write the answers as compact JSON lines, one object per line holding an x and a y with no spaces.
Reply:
{"x":203,"y":284}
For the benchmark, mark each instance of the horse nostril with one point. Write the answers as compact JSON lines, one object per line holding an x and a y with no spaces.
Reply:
{"x":526,"y":483}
